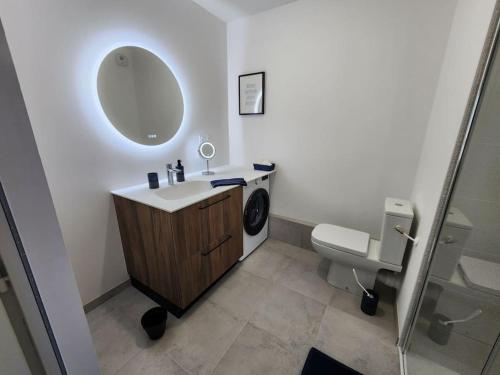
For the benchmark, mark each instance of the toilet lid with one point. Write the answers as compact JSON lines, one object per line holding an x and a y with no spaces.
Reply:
{"x":342,"y":239}
{"x":481,"y":274}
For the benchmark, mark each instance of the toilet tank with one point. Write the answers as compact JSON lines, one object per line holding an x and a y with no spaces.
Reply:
{"x":393,"y":244}
{"x":452,"y":239}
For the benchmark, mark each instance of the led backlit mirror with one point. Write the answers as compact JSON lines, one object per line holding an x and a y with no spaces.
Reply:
{"x":140,"y":95}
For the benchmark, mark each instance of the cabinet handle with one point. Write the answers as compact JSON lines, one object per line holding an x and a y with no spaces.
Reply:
{"x":226,"y":238}
{"x":211,"y":204}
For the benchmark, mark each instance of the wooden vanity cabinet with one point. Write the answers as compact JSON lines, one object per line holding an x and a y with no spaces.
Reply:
{"x":175,"y":257}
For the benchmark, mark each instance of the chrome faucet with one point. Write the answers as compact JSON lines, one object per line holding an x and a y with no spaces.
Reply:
{"x":170,"y":173}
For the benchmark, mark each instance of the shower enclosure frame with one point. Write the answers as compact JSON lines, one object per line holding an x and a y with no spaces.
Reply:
{"x":456,"y":164}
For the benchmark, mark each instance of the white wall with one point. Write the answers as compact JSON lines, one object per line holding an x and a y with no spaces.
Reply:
{"x":57,"y":46}
{"x":32,"y":211}
{"x":468,"y":31}
{"x":349,"y":92}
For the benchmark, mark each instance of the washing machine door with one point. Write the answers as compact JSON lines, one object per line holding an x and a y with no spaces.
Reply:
{"x":256,"y":212}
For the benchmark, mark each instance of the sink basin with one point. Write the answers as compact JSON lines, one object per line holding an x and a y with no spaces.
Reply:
{"x":184,"y":190}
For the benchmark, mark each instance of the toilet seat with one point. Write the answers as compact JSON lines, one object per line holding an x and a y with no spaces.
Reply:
{"x":342,"y":239}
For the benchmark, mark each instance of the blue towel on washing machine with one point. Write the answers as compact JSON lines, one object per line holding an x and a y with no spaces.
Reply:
{"x":228,"y":182}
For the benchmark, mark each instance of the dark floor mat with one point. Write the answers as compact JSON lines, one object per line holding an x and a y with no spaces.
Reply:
{"x":318,"y":363}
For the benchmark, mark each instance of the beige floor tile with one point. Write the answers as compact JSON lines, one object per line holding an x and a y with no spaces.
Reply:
{"x":356,"y":343}
{"x":265,"y":264}
{"x":290,"y":316}
{"x":306,"y":256}
{"x":151,"y":363}
{"x":202,"y":339}
{"x":257,"y":352}
{"x":418,"y":365}
{"x":116,"y":342}
{"x":281,"y":290}
{"x":305,"y":278}
{"x":382,"y":323}
{"x":461,"y":354}
{"x":119,"y":302}
{"x":130,"y":305}
{"x":240,"y":293}
{"x":116,"y":328}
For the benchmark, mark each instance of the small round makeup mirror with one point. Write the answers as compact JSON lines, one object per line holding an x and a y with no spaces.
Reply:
{"x":207,"y":152}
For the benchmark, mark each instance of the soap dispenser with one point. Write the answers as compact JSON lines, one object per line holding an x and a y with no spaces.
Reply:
{"x":180,"y":174}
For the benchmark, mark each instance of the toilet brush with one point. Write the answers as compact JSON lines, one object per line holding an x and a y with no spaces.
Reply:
{"x":440,"y":326}
{"x":475,"y":314}
{"x":359,"y":283}
{"x":369,"y":302}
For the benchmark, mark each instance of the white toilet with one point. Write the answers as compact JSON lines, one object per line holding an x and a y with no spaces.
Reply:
{"x":349,"y":248}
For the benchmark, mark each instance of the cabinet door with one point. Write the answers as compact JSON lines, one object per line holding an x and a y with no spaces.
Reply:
{"x":147,"y":244}
{"x":223,"y":232}
{"x":208,"y":239}
{"x":188,"y":244}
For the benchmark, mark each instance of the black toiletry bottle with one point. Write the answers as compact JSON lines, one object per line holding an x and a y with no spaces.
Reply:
{"x":180,"y":175}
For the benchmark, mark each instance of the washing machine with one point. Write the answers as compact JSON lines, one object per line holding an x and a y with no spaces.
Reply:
{"x":256,"y":204}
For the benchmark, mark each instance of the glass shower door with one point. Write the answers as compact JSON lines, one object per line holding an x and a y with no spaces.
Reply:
{"x":25,"y":346}
{"x":457,"y":326}
{"x":493,"y":365}
{"x":18,"y":354}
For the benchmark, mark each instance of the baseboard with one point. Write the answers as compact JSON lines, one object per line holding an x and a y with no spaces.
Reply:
{"x":297,"y":221}
{"x":101,"y":299}
{"x":292,"y":231}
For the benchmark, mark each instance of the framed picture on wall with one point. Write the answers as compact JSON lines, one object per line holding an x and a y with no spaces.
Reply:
{"x":252,"y":93}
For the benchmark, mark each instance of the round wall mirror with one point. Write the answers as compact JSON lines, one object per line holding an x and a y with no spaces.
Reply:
{"x":207,"y":152}
{"x":140,"y":95}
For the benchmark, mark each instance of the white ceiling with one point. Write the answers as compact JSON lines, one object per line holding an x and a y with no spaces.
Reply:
{"x":228,"y":10}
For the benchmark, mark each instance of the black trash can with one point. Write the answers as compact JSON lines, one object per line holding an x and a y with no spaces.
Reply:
{"x":154,"y":322}
{"x":369,"y":304}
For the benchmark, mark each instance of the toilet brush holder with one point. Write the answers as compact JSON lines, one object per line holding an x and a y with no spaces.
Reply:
{"x":369,"y":303}
{"x":431,"y":299}
{"x":439,"y":332}
{"x":441,"y":326}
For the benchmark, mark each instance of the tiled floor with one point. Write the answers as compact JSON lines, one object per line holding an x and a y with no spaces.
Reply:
{"x":261,"y":318}
{"x":461,"y":355}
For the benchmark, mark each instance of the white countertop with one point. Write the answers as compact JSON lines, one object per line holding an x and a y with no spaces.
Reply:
{"x":143,"y":194}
